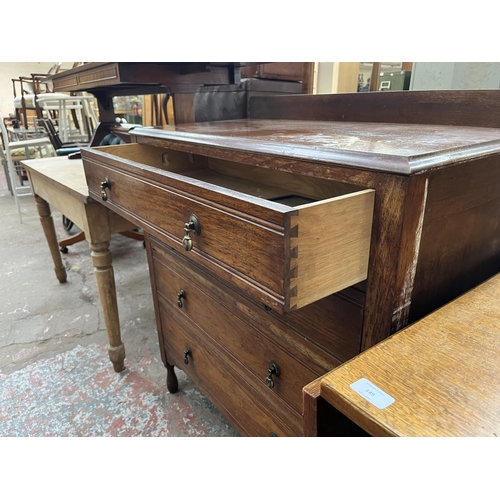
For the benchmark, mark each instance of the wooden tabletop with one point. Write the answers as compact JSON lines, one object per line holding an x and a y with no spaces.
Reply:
{"x":400,"y":148}
{"x":65,"y":174}
{"x":442,"y":374}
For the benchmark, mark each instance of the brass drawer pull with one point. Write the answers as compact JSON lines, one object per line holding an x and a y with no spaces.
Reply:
{"x":187,"y":353}
{"x":274,"y":369}
{"x":192,"y":225}
{"x":181,"y":295}
{"x":106,"y":184}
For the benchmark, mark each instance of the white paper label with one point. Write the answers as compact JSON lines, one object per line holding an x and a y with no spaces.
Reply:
{"x":372,"y":393}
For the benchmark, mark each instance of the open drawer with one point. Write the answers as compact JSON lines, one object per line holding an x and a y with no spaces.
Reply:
{"x":284,"y":239}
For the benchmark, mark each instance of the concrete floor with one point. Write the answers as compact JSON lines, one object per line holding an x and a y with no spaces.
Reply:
{"x":55,"y":375}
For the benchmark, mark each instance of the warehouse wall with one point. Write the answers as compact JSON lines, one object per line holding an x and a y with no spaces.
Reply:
{"x":455,"y":75}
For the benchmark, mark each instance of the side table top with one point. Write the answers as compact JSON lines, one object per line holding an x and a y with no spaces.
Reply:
{"x":66,"y":175}
{"x":442,"y":373}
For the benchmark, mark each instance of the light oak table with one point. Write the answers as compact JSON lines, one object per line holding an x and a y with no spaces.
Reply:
{"x":438,"y":377}
{"x":60,"y":182}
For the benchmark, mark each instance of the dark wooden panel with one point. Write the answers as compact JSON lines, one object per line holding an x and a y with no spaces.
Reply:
{"x":332,"y":323}
{"x":310,"y":395}
{"x":460,"y":244}
{"x":385,"y":251}
{"x":178,"y":77}
{"x":333,"y":423}
{"x":105,"y":75}
{"x":184,"y":108}
{"x":147,"y":240}
{"x":66,"y":83}
{"x":457,"y":252}
{"x":463,"y":187}
{"x":291,"y":71}
{"x":321,"y":419}
{"x":411,"y":233}
{"x":308,"y":78}
{"x":477,"y":108}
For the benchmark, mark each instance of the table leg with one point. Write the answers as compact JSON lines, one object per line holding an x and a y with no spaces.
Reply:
{"x":310,"y":397}
{"x":50,"y":234}
{"x":101,"y":258}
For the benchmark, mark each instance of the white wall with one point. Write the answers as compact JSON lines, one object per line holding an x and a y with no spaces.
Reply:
{"x":455,"y":75}
{"x":324,"y":78}
{"x":9,"y":70}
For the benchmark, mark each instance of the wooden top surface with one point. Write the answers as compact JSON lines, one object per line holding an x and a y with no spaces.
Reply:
{"x":397,"y":148}
{"x":442,"y":371}
{"x":64,"y":174}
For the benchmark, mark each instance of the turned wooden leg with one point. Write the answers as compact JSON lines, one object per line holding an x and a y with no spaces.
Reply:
{"x":172,"y":383}
{"x":101,"y":258}
{"x":50,"y":234}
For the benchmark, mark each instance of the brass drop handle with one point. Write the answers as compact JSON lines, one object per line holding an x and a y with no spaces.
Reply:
{"x":192,"y":225}
{"x":181,"y":295}
{"x":187,"y":353}
{"x":274,"y":369}
{"x":106,"y":184}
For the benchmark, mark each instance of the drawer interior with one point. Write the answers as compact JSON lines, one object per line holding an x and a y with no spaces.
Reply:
{"x":281,"y":187}
{"x":286,"y":239}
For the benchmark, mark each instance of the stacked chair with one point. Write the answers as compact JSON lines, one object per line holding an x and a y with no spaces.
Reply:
{"x":36,"y":93}
{"x":14,"y":171}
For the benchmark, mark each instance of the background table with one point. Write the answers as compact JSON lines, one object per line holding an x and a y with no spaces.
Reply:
{"x":61,"y":182}
{"x":107,"y":79}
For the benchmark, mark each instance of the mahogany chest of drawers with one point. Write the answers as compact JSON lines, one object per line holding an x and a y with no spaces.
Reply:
{"x":285,"y":244}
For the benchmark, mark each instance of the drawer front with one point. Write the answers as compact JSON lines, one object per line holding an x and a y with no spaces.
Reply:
{"x":333,"y":323}
{"x":320,"y":335}
{"x":245,"y":252}
{"x":285,"y":254}
{"x":255,"y":352}
{"x":229,"y":391}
